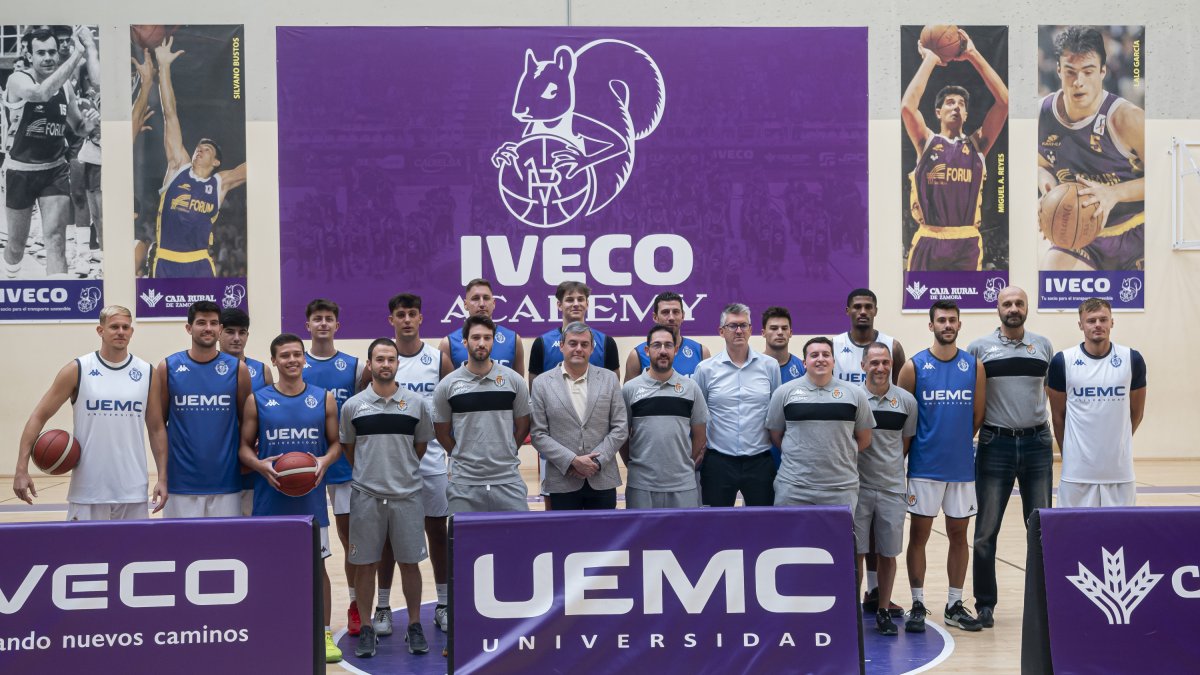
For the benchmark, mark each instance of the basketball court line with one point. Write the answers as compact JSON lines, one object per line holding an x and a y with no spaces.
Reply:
{"x":947,"y":650}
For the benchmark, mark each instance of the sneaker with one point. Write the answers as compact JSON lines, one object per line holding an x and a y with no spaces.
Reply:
{"x":382,"y":621}
{"x":985,"y":617}
{"x":416,"y":639}
{"x":870,"y":601}
{"x":367,"y":641}
{"x":959,"y":617}
{"x":353,"y":620}
{"x":441,"y":618}
{"x":11,"y":271}
{"x":332,"y":653}
{"x":884,"y":624}
{"x":915,"y":623}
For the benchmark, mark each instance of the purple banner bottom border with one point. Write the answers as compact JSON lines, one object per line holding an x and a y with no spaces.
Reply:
{"x":166,"y":298}
{"x":973,"y":291}
{"x":1065,"y":290}
{"x":51,"y":300}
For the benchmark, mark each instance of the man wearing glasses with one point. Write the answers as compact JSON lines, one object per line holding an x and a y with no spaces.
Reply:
{"x":737,"y":385}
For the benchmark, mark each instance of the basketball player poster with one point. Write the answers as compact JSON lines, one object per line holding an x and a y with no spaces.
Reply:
{"x":189,"y":167}
{"x":51,"y":229}
{"x":954,"y":164}
{"x":1091,"y":173}
{"x":724,"y":164}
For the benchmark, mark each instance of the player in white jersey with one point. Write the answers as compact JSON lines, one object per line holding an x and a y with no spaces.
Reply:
{"x":1097,"y":393}
{"x":109,"y":390}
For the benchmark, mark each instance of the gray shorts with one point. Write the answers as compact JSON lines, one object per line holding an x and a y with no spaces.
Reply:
{"x":886,"y":510}
{"x":373,"y":520}
{"x":433,"y":496}
{"x":636,"y":498}
{"x":487,"y":498}
{"x":787,"y":494}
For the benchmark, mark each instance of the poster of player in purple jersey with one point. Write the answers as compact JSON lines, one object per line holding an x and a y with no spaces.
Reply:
{"x":189,"y":167}
{"x":954,"y":163}
{"x":1091,"y":165}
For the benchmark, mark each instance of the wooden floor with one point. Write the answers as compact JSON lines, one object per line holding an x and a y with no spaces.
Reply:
{"x":991,"y":651}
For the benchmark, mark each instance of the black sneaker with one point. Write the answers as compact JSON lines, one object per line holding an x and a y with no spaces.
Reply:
{"x":884,"y":623}
{"x":417,"y":644}
{"x":985,"y":617}
{"x":871,"y":601}
{"x":915,"y":623}
{"x":959,"y":617}
{"x":367,"y":641}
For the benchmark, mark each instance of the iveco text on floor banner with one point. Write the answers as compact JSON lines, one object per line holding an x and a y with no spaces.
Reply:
{"x":761,"y":590}
{"x":725,"y":164}
{"x":189,"y":167}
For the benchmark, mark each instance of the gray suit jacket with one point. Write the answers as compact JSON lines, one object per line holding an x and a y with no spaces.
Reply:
{"x":560,"y":436}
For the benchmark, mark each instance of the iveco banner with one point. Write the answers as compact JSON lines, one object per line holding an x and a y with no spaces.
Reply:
{"x":723,"y":164}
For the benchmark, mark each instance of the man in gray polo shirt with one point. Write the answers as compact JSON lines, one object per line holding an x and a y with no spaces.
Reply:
{"x":1014,"y":441}
{"x":481,"y":415}
{"x":881,"y":488}
{"x":384,"y":432}
{"x":820,"y":424}
{"x":666,"y":442}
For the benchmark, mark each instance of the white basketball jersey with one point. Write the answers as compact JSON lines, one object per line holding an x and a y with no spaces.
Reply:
{"x":847,"y":357}
{"x":1098,"y":435}
{"x":419,"y":373}
{"x":110,"y":424}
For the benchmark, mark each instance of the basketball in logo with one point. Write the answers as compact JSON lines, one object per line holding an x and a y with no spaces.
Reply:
{"x":539,"y":194}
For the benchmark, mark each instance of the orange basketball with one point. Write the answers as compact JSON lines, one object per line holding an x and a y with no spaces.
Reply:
{"x":943,"y":40}
{"x":297,"y":473}
{"x":150,"y":36}
{"x":56,"y":452}
{"x":1063,"y":221}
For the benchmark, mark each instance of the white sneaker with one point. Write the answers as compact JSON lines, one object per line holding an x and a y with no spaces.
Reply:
{"x":441,"y":618}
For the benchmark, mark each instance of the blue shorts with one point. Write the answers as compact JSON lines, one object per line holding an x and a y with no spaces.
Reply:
{"x":1124,"y":251}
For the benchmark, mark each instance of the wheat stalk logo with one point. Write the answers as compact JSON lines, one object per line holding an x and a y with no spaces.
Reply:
{"x":1116,"y":596}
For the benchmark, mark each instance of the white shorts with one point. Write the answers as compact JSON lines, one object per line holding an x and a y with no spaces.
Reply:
{"x":126,"y":511}
{"x":1094,"y":495}
{"x":247,"y":503}
{"x":203,"y":506}
{"x":339,"y":498}
{"x":433,"y":495}
{"x":325,"y":550}
{"x":927,"y":497}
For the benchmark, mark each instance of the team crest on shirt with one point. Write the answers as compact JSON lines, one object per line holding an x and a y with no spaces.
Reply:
{"x":310,"y":401}
{"x":687,"y":351}
{"x":837,"y":393}
{"x":894,"y":402}
{"x":962,"y":365}
{"x":499,"y":380}
{"x":222,"y":368}
{"x":402,"y":405}
{"x":678,"y":387}
{"x":1031,"y":349}
{"x":340,"y":363}
{"x":1115,"y":361}
{"x":794,"y":371}
{"x":135,"y":374}
{"x":500,"y":337}
{"x":426,"y":359}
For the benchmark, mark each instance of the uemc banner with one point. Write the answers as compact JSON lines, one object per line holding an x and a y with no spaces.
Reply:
{"x":954,"y":163}
{"x":1122,"y":589}
{"x":1091,"y":173}
{"x":723,"y":164}
{"x":760,"y":591}
{"x":189,"y":167}
{"x":160,"y":596}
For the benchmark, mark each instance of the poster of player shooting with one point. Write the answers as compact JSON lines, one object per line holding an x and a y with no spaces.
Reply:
{"x":954,"y":164}
{"x":51,"y":230}
{"x":189,"y":165}
{"x":1091,"y":173}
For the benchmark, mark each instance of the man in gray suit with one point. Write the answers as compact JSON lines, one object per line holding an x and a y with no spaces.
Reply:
{"x":578,"y":424}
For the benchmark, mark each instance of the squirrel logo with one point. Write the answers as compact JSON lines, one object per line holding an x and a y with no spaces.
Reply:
{"x":583,"y":110}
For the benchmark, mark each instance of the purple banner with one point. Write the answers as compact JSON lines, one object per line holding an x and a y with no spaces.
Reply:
{"x":764,"y":589}
{"x":59,"y":300}
{"x":1121,"y":589}
{"x":170,"y":298}
{"x":166,"y":596}
{"x":637,"y":160}
{"x":1066,"y":290}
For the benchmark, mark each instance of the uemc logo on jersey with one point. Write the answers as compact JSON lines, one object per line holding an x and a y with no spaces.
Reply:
{"x":947,"y":395}
{"x":285,"y":434}
{"x":421,"y":387}
{"x":202,"y":400}
{"x":1115,"y":392}
{"x":113,"y":405}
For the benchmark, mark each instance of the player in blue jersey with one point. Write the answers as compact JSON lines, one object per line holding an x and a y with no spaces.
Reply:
{"x":341,"y":375}
{"x":292,"y":416}
{"x":193,"y":189}
{"x":950,"y":387}
{"x":235,"y":330}
{"x":1094,"y":137}
{"x":947,"y":182}
{"x":668,"y":310}
{"x":202,"y":392}
{"x":546,"y":352}
{"x":777,"y":336}
{"x":507,"y":349}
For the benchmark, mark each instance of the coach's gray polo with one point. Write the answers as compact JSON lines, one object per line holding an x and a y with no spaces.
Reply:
{"x":1016,"y":378}
{"x":881,"y":464}
{"x":819,"y":449}
{"x":481,"y":411}
{"x":661,"y":415}
{"x":384,"y":430}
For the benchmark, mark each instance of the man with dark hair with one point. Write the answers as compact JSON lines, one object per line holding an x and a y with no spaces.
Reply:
{"x":947,"y":182}
{"x":1096,"y":138}
{"x":950,"y":389}
{"x":777,"y":335}
{"x":668,"y":310}
{"x":507,"y":348}
{"x":546,"y":352}
{"x":235,"y":330}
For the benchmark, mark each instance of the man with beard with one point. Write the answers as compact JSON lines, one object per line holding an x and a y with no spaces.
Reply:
{"x":668,"y":311}
{"x":949,"y":386}
{"x":1014,"y":442}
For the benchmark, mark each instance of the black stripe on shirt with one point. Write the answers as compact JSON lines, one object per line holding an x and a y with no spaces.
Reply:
{"x":662,"y":406}
{"x":889,"y":420}
{"x":820,"y":412}
{"x":380,"y":424}
{"x":482,"y":401}
{"x":1017,"y":366}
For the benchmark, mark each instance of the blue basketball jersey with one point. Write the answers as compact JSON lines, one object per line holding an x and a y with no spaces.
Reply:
{"x":337,"y":374}
{"x":202,"y":425}
{"x":187,"y":209}
{"x":290,"y":424}
{"x":258,"y":377}
{"x":686,"y":359}
{"x":945,"y":393}
{"x":791,"y":370}
{"x":504,"y":347}
{"x":552,"y":348}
